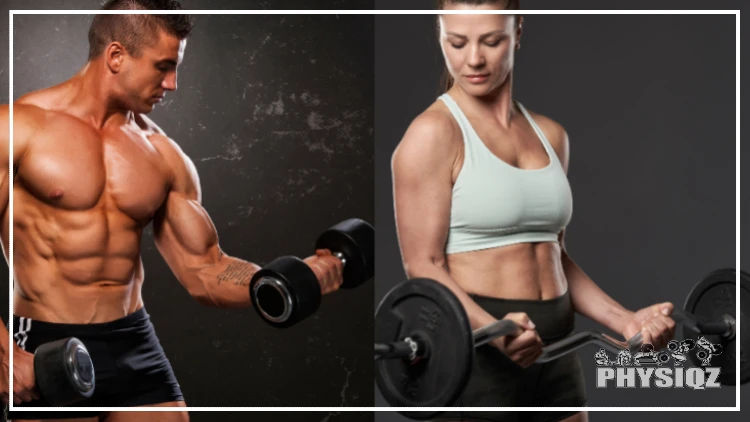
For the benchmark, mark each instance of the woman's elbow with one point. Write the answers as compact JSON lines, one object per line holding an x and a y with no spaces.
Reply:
{"x":423,"y":266}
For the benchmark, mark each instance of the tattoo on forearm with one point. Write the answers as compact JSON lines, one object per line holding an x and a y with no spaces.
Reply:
{"x":237,"y":273}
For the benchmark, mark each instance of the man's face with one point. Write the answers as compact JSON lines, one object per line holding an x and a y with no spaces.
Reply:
{"x":147,"y":78}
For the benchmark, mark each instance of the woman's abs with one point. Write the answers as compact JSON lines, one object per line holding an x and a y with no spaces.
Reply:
{"x":522,"y":271}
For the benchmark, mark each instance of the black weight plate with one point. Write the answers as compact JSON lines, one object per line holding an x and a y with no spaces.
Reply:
{"x":428,"y":310}
{"x":355,"y":239}
{"x":711,"y":299}
{"x":298,"y":279}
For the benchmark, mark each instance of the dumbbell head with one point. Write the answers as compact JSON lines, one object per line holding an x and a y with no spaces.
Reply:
{"x":673,"y":346}
{"x":64,"y":371}
{"x":285,"y":291}
{"x":354,"y":239}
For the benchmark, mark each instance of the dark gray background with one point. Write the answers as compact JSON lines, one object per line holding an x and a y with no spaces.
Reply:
{"x":276,"y":112}
{"x":581,"y":4}
{"x":649,"y":105}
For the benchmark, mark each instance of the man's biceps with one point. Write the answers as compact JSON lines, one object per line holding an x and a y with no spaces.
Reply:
{"x":184,"y":209}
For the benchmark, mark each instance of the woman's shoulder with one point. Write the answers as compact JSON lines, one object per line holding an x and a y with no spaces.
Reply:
{"x":553,"y":131}
{"x":431,"y":144}
{"x":433,"y":129}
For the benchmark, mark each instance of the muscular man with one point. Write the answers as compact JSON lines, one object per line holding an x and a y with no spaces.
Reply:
{"x":90,"y":172}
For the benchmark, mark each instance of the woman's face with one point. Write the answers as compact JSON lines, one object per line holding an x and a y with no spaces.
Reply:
{"x":478,"y":49}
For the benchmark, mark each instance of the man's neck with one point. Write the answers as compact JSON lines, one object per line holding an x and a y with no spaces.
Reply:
{"x":92,"y":98}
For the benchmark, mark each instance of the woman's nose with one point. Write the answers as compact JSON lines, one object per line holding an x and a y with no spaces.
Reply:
{"x":476,"y":58}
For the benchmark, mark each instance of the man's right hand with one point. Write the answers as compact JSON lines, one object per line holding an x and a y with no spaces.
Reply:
{"x":24,"y":382}
{"x":524,"y":346}
{"x":328,"y":269}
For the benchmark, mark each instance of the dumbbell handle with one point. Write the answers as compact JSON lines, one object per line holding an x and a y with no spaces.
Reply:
{"x":341,"y":257}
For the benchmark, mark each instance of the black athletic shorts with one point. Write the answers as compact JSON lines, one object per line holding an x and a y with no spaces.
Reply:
{"x":497,"y":381}
{"x":130,"y":366}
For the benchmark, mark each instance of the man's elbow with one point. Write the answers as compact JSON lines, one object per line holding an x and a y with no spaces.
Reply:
{"x":202,"y":294}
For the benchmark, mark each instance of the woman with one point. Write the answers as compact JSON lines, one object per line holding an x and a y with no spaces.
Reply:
{"x":482,"y":201}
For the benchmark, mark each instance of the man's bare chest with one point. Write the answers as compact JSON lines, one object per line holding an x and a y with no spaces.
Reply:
{"x":74,"y":167}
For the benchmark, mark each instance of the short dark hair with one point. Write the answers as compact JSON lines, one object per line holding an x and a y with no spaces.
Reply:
{"x":135,"y":31}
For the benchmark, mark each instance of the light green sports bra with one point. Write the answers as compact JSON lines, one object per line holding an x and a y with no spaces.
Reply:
{"x":495,"y":204}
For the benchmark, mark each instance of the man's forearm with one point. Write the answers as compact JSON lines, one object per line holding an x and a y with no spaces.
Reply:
{"x":4,"y":345}
{"x":591,"y":301}
{"x":226,"y":283}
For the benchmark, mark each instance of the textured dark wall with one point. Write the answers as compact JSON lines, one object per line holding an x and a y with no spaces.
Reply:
{"x":276,"y":113}
{"x":649,"y":105}
{"x":236,"y":416}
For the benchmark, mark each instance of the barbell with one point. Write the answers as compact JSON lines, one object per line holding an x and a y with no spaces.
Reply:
{"x":425,"y":346}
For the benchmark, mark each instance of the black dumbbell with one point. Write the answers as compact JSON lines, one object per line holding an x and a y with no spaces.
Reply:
{"x":287,"y":291}
{"x":64,"y":372}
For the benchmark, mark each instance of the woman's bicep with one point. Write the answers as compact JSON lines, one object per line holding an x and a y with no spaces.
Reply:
{"x":422,"y":187}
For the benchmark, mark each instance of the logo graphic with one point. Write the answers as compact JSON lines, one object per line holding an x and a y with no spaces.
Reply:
{"x":650,"y":367}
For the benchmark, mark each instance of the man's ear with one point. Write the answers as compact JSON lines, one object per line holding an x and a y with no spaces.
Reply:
{"x":114,"y":55}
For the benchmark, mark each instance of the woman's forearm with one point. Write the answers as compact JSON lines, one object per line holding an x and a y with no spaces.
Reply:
{"x":591,"y":301}
{"x":478,"y":317}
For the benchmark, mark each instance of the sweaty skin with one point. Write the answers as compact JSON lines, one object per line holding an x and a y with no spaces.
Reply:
{"x":82,"y":198}
{"x":90,"y":172}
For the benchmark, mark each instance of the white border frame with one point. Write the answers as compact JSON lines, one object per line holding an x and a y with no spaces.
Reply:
{"x":736,"y":13}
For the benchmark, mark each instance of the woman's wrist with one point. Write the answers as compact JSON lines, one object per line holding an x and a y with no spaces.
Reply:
{"x":620,"y":319}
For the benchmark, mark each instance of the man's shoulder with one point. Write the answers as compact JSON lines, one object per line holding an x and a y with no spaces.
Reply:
{"x":27,"y":118}
{"x":185,"y":175}
{"x":158,"y":137}
{"x":149,"y":127}
{"x":40,"y":101}
{"x":173,"y":154}
{"x":36,"y":108}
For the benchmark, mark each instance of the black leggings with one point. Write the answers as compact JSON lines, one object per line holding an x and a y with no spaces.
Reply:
{"x":497,"y":381}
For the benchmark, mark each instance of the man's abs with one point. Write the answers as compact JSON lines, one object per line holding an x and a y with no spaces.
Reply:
{"x":82,"y":197}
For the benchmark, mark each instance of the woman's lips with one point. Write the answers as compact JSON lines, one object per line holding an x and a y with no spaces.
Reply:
{"x":477,"y":78}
